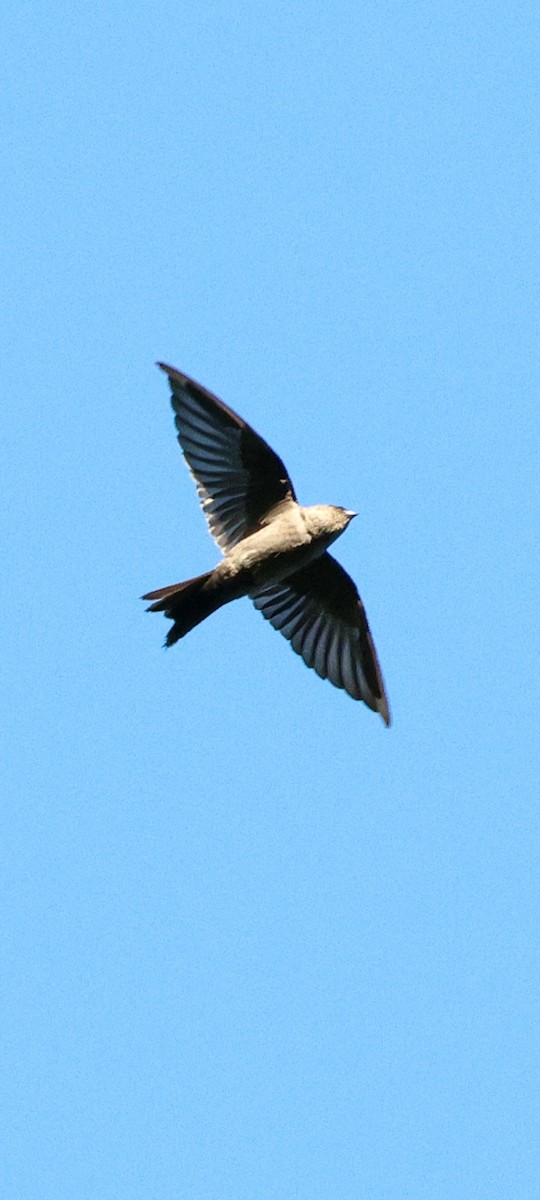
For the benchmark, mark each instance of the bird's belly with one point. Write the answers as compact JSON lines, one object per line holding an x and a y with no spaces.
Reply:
{"x":279,"y":563}
{"x":273,"y":553}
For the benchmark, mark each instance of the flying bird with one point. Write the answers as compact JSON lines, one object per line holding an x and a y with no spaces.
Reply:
{"x":274,"y":550}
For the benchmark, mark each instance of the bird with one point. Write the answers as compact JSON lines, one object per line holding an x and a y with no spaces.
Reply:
{"x":275,"y":551}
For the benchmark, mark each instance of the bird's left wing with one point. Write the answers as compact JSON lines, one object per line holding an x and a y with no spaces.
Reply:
{"x":320,"y":612}
{"x":239,"y":478}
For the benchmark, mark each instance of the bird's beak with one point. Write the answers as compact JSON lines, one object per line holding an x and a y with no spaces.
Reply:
{"x":350,"y":514}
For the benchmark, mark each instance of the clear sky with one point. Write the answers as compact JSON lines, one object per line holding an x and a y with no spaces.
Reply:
{"x":255,"y":945}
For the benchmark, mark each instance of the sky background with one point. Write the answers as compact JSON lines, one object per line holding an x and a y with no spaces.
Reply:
{"x":254,"y":945}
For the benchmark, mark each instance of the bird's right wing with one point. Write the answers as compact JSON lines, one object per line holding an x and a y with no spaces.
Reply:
{"x":239,"y":478}
{"x":320,"y":612}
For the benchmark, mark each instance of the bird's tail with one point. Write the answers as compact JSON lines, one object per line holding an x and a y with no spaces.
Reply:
{"x":187,"y":604}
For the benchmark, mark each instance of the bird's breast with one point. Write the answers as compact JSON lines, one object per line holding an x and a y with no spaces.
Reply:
{"x":274,"y":552}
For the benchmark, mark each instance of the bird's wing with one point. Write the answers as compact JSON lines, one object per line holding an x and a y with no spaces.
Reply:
{"x":239,"y":478}
{"x":320,"y":612}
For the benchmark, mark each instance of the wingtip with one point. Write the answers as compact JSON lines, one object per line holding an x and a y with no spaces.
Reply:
{"x":383,"y":709}
{"x":178,"y":378}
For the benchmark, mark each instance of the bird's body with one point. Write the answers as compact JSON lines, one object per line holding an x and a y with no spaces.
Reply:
{"x":274,"y":549}
{"x":305,"y":532}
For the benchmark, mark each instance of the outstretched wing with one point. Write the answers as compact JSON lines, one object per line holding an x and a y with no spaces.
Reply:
{"x":320,"y":612}
{"x":239,"y":478}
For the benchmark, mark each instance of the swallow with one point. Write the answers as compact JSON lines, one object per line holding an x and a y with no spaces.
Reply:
{"x":275,"y":551}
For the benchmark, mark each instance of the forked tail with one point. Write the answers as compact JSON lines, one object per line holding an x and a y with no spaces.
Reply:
{"x":187,"y":604}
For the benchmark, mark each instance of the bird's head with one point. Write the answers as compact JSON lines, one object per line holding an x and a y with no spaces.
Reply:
{"x":328,"y":519}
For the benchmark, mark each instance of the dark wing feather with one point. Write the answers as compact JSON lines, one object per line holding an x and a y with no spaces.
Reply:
{"x":239,"y":478}
{"x":320,"y":612}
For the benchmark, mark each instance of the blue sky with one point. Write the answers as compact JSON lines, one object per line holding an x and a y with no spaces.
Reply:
{"x":254,"y":945}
